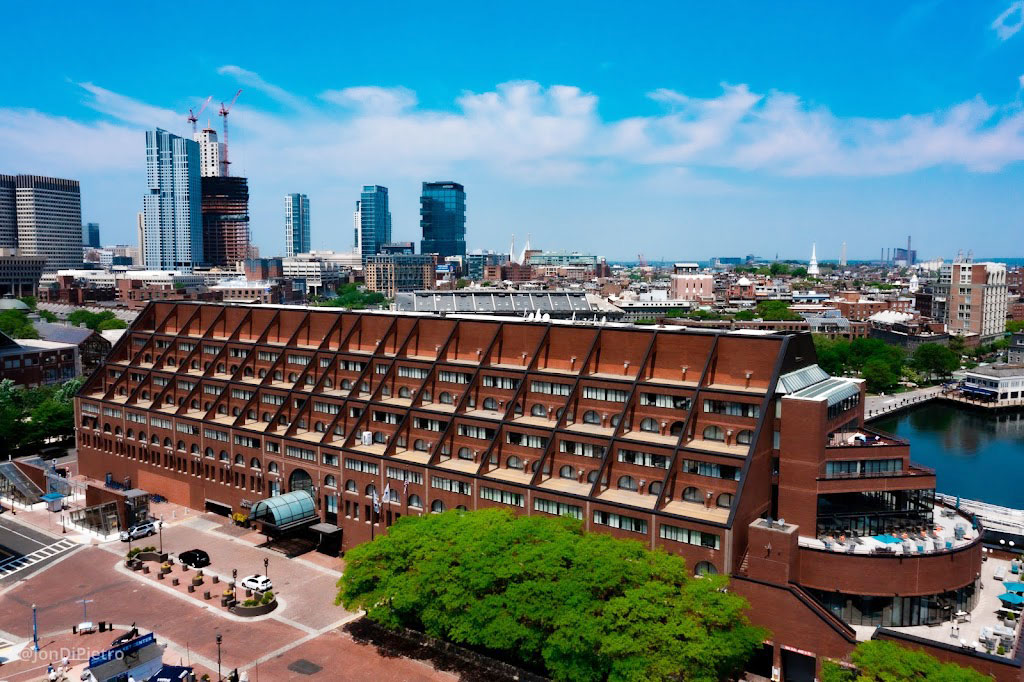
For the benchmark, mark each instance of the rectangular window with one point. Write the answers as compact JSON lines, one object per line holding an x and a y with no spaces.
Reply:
{"x":326,"y":408}
{"x":271,"y":399}
{"x":161,"y":381}
{"x":300,"y":453}
{"x":89,"y":407}
{"x":132,"y":417}
{"x":211,"y":350}
{"x":267,"y":356}
{"x":325,"y":362}
{"x":190,"y":429}
{"x":500,"y":382}
{"x":413,"y":372}
{"x":301,"y":360}
{"x":111,"y":412}
{"x":186,"y":385}
{"x":428,"y":424}
{"x":690,"y":537}
{"x":549,"y":388}
{"x":381,"y":368}
{"x":360,"y":465}
{"x":634,"y":525}
{"x":186,"y":347}
{"x":732,"y":408}
{"x":273,"y":447}
{"x":502,"y":496}
{"x":239,"y":353}
{"x":582,"y":449}
{"x":242,"y":394}
{"x":480,"y":432}
{"x":676,"y":402}
{"x":404,"y":475}
{"x":330,"y":460}
{"x":352,"y":365}
{"x":694,"y":466}
{"x":610,"y":395}
{"x":209,"y":389}
{"x":525,"y":440}
{"x":215,"y":435}
{"x":160,"y":422}
{"x":557,"y":508}
{"x":451,"y":485}
{"x":644,"y":459}
{"x":385,"y":417}
{"x":453,"y":377}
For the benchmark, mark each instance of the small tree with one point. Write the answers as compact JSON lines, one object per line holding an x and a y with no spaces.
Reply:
{"x":881,"y":661}
{"x":879,"y":375}
{"x":933,"y":358}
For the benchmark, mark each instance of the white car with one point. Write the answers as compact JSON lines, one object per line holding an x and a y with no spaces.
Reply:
{"x":257,"y":583}
{"x":138,"y":531}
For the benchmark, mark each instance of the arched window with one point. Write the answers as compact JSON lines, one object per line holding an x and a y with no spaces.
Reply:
{"x":514,"y":462}
{"x":415,"y":501}
{"x":691,"y":494}
{"x":195,"y":404}
{"x":278,"y":375}
{"x":385,"y":390}
{"x":145,"y":395}
{"x":235,"y":411}
{"x":591,"y":417}
{"x":106,"y":428}
{"x":240,"y":460}
{"x":436,"y":507}
{"x":346,"y":384}
{"x":654,"y":488}
{"x":118,"y":431}
{"x":195,"y":364}
{"x":566,"y":472}
{"x":272,"y":467}
{"x":142,"y":436}
{"x":649,"y":425}
{"x":319,"y":427}
{"x":616,"y":418}
{"x":350,"y":486}
{"x":168,"y":444}
{"x":714,"y":433}
{"x":293,"y":377}
{"x":370,"y":490}
{"x":725,"y":500}
{"x":426,"y":396}
{"x":331,"y":481}
{"x":379,"y":437}
{"x":704,"y":568}
{"x":420,"y":445}
{"x":445,"y":397}
{"x":592,"y":476}
{"x":744,"y":437}
{"x":404,"y":392}
{"x":181,"y":445}
{"x":224,"y":456}
{"x":247,"y":372}
{"x":194,"y":449}
{"x":300,"y":480}
{"x":130,"y":435}
{"x":465,"y":453}
{"x":490,"y":404}
{"x":262,"y":373}
{"x":254,"y":463}
{"x":627,"y":483}
{"x":328,"y":383}
{"x":539,"y":411}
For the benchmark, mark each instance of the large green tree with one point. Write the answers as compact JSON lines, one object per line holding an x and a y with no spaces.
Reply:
{"x":539,"y":592}
{"x":881,"y":661}
{"x":934,"y":358}
{"x":15,"y":324}
{"x":92,"y":320}
{"x":833,"y":354}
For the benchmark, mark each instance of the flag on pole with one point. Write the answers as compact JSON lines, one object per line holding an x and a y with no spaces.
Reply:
{"x":376,"y":502}
{"x":387,"y":493}
{"x":405,"y":487}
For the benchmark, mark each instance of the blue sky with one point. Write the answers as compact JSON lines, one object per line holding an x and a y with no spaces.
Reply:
{"x":679,"y":130}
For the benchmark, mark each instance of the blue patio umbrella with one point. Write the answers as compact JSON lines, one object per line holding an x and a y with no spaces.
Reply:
{"x":1014,"y":587}
{"x":1011,"y":598}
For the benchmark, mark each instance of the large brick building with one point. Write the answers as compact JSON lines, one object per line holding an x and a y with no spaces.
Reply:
{"x":692,"y":441}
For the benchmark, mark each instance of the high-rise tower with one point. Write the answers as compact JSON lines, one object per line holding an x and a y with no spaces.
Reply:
{"x":211,"y":153}
{"x":374,"y":220}
{"x":443,"y":219}
{"x":296,"y":224}
{"x":42,"y":216}
{"x":172,"y":209}
{"x":225,"y":220}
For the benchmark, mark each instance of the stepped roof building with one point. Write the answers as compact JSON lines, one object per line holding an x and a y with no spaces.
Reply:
{"x":731,"y":449}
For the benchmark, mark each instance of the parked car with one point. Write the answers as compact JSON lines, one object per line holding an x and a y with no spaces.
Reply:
{"x":257,"y":583}
{"x":194,"y":558}
{"x":137,"y":531}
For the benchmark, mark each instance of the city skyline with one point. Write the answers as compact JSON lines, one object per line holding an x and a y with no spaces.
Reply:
{"x":686,"y":148}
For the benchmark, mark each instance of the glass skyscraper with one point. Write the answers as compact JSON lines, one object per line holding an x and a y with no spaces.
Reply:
{"x":374,"y":220}
{"x":296,"y":224}
{"x":172,"y":218}
{"x":92,"y":237}
{"x":443,"y":219}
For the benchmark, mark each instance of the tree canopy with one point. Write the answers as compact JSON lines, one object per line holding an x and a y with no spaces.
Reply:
{"x":95,"y":320}
{"x":539,"y":592}
{"x":934,"y":358}
{"x":15,"y":324}
{"x":776,"y":310}
{"x":881,"y":661}
{"x":28,"y":416}
{"x":353,"y":296}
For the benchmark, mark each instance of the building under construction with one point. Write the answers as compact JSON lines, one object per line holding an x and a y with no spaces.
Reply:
{"x":225,"y":210}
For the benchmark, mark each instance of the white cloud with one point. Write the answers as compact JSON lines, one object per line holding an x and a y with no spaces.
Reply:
{"x":1007,"y":24}
{"x":522,"y":133}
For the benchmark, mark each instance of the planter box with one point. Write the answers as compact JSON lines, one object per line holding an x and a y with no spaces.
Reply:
{"x":165,"y":569}
{"x":152,"y":556}
{"x":250,"y":611}
{"x":197,"y":580}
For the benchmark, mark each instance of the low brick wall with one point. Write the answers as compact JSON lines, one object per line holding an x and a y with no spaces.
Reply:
{"x":251,"y":611}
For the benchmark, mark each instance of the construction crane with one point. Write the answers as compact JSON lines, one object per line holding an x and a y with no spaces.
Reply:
{"x":193,"y":117}
{"x":224,"y":111}
{"x":641,"y":260}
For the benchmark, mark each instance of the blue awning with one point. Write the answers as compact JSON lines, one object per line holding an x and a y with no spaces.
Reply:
{"x":977,"y":389}
{"x":283,"y":512}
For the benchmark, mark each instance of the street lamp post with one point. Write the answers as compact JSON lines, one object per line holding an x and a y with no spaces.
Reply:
{"x":234,"y":580}
{"x":266,"y":566}
{"x":219,"y":678}
{"x":35,"y":629}
{"x":160,"y":528}
{"x":85,"y":606}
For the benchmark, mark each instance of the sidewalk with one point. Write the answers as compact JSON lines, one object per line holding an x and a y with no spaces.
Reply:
{"x":878,"y":405}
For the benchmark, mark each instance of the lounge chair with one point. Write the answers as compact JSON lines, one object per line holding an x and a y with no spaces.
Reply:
{"x":1000,"y":573}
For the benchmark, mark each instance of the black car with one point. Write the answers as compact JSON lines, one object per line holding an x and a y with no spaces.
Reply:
{"x":195,"y":558}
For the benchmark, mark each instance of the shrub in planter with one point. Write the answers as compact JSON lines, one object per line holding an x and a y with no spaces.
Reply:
{"x":228,"y":592}
{"x":268,"y":597}
{"x":251,"y":602}
{"x":1001,"y":650}
{"x":165,"y":568}
{"x":197,"y":580}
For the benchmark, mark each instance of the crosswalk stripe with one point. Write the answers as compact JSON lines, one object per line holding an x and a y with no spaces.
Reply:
{"x":16,"y":564}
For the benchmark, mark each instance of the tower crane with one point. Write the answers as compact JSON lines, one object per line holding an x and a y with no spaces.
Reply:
{"x":193,"y":117}
{"x":224,"y":111}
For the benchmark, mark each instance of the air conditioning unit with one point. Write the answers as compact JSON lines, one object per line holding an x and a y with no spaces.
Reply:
{"x":366,"y":438}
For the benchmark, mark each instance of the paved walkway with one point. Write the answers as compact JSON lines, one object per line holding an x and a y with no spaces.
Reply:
{"x":878,"y":405}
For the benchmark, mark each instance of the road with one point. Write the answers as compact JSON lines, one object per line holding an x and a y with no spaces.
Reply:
{"x":22,"y":548}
